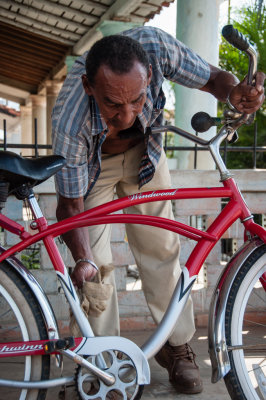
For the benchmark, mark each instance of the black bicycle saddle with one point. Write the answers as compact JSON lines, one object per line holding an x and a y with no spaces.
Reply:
{"x":17,"y":170}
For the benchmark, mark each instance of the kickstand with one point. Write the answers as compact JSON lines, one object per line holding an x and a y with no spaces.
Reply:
{"x":62,"y":393}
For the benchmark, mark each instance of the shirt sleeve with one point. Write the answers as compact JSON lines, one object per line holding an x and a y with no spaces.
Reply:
{"x":182,"y":65}
{"x":72,"y":180}
{"x":69,"y":114}
{"x":171,"y":58}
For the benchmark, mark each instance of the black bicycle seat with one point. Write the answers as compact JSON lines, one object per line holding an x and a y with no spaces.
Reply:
{"x":17,"y":170}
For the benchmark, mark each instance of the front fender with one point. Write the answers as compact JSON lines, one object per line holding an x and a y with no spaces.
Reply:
{"x":38,"y":293}
{"x":216,"y":330}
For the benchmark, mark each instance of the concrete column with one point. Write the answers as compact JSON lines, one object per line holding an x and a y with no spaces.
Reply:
{"x":39,"y":112}
{"x":52,"y":90}
{"x":26,"y":128}
{"x":197,"y":27}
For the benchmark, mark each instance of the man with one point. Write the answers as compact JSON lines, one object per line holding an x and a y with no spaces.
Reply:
{"x":99,"y":122}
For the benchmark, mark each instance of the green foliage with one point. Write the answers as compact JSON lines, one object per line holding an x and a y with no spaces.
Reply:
{"x":253,"y":25}
{"x":170,"y":141}
{"x":31,"y":258}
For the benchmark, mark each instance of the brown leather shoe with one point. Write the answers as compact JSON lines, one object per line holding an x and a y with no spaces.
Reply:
{"x":182,"y":369}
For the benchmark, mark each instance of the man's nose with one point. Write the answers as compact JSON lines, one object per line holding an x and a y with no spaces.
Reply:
{"x":127,"y":113}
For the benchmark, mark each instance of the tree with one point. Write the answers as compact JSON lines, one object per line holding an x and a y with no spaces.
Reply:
{"x":252,"y":23}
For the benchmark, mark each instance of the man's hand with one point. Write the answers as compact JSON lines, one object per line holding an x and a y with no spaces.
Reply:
{"x":246,"y":98}
{"x":77,"y":240}
{"x":83,"y":272}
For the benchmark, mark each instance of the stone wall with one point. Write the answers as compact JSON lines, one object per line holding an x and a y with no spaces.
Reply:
{"x":199,"y":213}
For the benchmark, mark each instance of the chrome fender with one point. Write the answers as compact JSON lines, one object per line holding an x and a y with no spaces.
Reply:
{"x":39,"y":294}
{"x":216,"y":331}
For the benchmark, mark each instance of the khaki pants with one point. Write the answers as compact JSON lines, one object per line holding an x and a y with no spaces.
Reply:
{"x":156,"y":251}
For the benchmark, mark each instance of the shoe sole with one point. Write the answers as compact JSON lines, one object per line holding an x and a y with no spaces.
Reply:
{"x":180,"y":389}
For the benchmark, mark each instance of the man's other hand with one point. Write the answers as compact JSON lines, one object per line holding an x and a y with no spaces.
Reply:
{"x":246,"y":98}
{"x":83,"y":272}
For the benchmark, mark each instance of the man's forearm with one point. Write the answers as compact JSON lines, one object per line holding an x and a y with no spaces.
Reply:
{"x":243,"y":97}
{"x":220,"y":83}
{"x":76,"y":240}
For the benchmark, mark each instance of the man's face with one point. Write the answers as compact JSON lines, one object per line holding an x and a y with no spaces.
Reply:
{"x":120,"y":97}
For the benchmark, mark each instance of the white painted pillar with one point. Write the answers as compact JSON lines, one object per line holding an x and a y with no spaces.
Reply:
{"x":197,"y":27}
{"x":52,"y":90}
{"x":26,"y":128}
{"x":39,"y":112}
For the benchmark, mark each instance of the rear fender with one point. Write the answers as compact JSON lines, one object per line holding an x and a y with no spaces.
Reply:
{"x":38,"y":293}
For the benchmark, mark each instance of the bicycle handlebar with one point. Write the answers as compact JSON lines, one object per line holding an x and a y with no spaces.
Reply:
{"x":178,"y":131}
{"x":239,"y":41}
{"x":201,"y":121}
{"x":235,"y":38}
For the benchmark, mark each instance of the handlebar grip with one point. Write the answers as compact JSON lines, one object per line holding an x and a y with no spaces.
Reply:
{"x":235,"y":38}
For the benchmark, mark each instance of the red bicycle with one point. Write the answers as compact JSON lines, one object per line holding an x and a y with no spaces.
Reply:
{"x":28,"y":327}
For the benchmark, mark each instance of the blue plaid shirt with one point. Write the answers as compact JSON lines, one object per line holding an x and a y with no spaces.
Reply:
{"x":79,"y":129}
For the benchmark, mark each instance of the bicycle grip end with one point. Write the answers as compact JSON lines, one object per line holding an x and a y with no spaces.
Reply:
{"x":235,"y":38}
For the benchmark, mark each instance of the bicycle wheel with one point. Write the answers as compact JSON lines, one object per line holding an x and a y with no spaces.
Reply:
{"x":20,"y":319}
{"x":245,"y":326}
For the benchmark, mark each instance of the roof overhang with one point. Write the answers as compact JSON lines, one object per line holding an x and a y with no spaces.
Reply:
{"x":36,"y":37}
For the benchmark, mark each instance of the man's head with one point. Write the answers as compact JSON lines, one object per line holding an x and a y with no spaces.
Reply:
{"x":117,"y":75}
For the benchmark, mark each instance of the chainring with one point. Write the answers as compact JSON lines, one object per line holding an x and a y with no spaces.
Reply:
{"x":117,"y":364}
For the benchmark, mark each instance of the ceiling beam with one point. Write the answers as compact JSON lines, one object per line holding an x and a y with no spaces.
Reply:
{"x":43,"y":25}
{"x":18,"y":84}
{"x":98,"y":6}
{"x":46,"y":14}
{"x":17,"y":24}
{"x":13,"y":94}
{"x":59,"y":7}
{"x":67,"y":9}
{"x":125,"y":8}
{"x":118,"y":9}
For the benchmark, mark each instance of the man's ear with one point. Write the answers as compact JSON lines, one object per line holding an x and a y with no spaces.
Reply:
{"x":86,"y":85}
{"x":149,"y":74}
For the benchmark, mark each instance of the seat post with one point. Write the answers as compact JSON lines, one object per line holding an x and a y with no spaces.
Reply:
{"x":3,"y":194}
{"x":34,"y":206}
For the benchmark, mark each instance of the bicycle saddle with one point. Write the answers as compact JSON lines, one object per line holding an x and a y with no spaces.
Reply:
{"x":17,"y":170}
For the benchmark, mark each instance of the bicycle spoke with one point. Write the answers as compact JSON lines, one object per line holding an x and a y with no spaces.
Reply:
{"x":257,"y":347}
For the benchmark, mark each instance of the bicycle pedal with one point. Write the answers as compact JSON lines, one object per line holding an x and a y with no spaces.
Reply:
{"x":60,"y":344}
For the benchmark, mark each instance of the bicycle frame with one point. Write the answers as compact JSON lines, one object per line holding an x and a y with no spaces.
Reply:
{"x":205,"y":241}
{"x":235,"y":208}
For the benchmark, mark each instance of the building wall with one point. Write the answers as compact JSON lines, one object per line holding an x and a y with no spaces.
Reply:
{"x":201,"y":212}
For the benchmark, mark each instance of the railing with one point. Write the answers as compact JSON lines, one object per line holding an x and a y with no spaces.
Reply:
{"x":254,"y":149}
{"x":34,"y":146}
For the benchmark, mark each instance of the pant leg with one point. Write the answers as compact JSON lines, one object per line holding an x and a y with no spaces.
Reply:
{"x":100,"y":235}
{"x":156,"y":250}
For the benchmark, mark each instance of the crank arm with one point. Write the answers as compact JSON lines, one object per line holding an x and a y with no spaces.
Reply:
{"x":104,"y":376}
